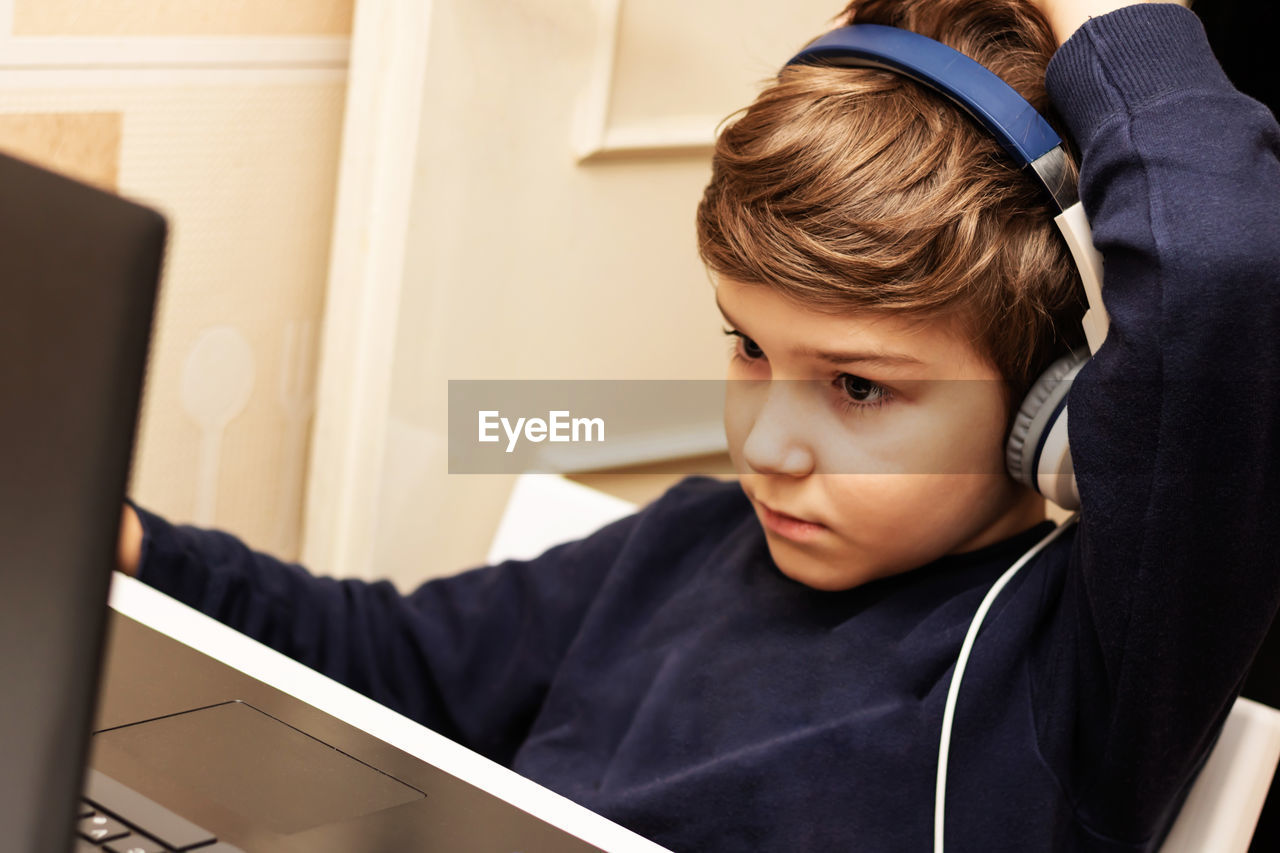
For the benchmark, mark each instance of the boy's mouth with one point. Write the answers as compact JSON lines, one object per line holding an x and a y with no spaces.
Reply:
{"x":789,"y":526}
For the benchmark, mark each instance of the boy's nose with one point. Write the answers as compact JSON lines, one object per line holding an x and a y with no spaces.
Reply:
{"x":776,"y":442}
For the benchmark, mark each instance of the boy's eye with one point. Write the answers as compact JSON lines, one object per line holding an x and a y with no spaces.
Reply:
{"x":747,"y":347}
{"x":861,"y":390}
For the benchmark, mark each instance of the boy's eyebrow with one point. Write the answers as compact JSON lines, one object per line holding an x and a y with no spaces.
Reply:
{"x":874,"y":357}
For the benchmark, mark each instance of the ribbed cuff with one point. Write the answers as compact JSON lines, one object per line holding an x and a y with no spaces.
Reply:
{"x":1119,"y":61}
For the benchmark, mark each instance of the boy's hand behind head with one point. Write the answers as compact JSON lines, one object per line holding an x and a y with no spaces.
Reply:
{"x":1066,"y":16}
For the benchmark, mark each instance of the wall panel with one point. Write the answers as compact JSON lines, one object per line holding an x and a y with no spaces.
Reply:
{"x":235,"y":137}
{"x":85,"y":146}
{"x":181,"y":17}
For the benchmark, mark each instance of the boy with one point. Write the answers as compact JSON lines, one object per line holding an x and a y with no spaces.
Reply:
{"x":763,"y":665}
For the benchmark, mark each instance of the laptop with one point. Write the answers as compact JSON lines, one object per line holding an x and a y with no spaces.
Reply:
{"x":144,"y":726}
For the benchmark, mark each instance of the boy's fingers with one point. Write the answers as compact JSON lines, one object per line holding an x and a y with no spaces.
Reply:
{"x":1066,"y":16}
{"x":130,"y":549}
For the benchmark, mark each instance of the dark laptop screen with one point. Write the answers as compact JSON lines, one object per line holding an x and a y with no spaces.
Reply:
{"x":78,"y":276}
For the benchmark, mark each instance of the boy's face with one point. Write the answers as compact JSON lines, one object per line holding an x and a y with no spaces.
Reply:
{"x":894,"y":454}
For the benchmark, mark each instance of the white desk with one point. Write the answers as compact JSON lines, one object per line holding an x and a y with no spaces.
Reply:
{"x":192,"y":628}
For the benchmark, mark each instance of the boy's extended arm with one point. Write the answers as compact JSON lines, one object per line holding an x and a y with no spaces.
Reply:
{"x":1175,"y":423}
{"x":469,"y":656}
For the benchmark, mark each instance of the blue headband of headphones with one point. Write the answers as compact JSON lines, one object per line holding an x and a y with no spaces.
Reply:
{"x":993,"y":103}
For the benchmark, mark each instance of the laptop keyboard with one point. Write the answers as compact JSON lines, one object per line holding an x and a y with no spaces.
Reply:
{"x":117,"y":819}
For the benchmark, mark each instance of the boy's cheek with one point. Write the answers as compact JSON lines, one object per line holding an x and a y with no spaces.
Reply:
{"x":954,"y":427}
{"x":900,"y":521}
{"x":906,"y":440}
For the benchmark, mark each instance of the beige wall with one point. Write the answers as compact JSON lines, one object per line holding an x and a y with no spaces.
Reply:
{"x":525,"y":262}
{"x":240,"y":151}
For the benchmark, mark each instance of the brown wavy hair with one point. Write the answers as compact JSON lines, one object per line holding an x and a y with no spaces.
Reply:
{"x":859,"y":189}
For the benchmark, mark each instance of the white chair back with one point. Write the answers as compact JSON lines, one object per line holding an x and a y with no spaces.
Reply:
{"x":1222,"y":810}
{"x":547,"y":509}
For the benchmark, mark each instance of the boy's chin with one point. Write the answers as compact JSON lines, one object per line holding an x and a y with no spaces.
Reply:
{"x":815,"y":572}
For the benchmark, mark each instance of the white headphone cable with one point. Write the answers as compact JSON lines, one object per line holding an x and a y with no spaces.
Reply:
{"x":948,"y":715}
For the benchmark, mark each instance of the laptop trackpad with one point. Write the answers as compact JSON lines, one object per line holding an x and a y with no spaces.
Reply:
{"x":269,"y":773}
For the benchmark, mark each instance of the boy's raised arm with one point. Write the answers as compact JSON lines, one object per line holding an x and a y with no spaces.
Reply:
{"x":1175,"y":423}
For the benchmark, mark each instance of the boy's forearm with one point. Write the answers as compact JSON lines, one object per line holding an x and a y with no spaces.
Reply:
{"x":1066,"y":16}
{"x":344,"y":629}
{"x":418,"y":654}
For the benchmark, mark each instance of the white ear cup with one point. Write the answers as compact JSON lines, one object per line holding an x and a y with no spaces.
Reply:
{"x":1036,"y":453}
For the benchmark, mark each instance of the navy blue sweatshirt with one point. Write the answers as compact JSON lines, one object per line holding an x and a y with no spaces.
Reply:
{"x":664,"y":673}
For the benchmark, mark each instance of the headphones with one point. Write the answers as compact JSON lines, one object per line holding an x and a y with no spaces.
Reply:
{"x":1036,"y":452}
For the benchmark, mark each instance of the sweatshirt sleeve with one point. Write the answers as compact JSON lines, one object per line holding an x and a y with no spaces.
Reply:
{"x":471,"y":655}
{"x":1175,"y":423}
